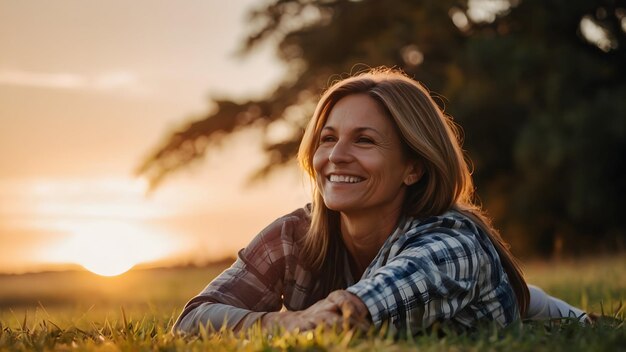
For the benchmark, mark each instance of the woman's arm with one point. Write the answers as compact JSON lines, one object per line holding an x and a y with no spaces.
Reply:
{"x":433,"y":278}
{"x":252,"y":286}
{"x":234,"y":300}
{"x":216,"y":316}
{"x":340,"y":309}
{"x":543,"y":306}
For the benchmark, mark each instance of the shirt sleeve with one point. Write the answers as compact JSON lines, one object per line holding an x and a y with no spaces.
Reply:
{"x":253,"y":285}
{"x":543,"y":306}
{"x":431,"y":279}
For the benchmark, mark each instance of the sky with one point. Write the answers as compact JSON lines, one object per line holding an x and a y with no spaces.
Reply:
{"x":87,"y":89}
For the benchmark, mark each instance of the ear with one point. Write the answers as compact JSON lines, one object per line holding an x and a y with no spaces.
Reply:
{"x":414,"y":173}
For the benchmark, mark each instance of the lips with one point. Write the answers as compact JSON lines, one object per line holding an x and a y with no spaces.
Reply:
{"x":344,"y":178}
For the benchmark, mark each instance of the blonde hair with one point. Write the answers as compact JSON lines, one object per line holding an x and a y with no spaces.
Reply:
{"x":429,"y":136}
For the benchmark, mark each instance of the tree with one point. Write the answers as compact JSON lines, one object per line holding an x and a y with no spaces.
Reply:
{"x":538,"y":86}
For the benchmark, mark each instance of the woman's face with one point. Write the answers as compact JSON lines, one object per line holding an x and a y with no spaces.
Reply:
{"x":360,"y":165}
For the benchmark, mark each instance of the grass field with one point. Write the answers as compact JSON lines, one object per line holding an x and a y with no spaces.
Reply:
{"x":81,"y":311}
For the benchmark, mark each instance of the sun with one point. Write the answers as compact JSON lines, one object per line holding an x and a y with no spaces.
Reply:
{"x":110,"y":248}
{"x":107,"y":266}
{"x":104,"y":254}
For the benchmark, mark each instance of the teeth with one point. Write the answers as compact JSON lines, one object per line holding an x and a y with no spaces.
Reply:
{"x":346,"y":179}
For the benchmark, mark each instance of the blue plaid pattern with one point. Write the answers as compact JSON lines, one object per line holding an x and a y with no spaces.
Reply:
{"x":443,"y":269}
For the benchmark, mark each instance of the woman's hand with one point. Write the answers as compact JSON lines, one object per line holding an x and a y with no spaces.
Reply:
{"x":353,"y":311}
{"x":341,"y":309}
{"x":321,"y":313}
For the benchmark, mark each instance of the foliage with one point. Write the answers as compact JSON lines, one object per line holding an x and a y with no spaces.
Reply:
{"x":541,"y":99}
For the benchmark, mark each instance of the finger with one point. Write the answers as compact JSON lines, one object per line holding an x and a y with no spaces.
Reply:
{"x":300,"y":324}
{"x":358,"y":323}
{"x":324,"y":305}
{"x":328,"y":319}
{"x":353,"y":309}
{"x":344,"y":298}
{"x":338,"y":296}
{"x":352,"y":305}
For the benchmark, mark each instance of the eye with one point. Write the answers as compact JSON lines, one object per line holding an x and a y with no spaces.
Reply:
{"x":327,"y":138}
{"x":364,"y":140}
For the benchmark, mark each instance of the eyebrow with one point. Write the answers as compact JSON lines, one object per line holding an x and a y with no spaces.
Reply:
{"x":357,"y":130}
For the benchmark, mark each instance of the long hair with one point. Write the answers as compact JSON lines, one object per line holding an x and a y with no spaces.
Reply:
{"x":427,"y":135}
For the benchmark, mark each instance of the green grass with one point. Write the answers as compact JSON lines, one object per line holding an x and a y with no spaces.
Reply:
{"x":134,"y":312}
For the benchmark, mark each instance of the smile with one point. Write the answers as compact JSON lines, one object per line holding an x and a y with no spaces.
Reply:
{"x":345,"y":179}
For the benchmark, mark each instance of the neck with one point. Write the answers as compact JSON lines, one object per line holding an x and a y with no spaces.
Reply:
{"x":364,"y":235}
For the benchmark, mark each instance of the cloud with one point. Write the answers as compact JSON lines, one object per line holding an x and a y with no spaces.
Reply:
{"x":115,"y":80}
{"x":124,"y":82}
{"x":44,"y":80}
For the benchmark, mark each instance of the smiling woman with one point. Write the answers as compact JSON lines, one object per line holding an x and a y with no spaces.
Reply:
{"x":392,"y":240}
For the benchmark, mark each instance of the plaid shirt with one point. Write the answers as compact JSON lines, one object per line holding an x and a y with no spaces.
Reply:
{"x":442,"y":268}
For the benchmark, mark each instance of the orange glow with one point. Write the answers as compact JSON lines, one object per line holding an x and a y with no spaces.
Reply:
{"x":105,"y":223}
{"x":109,"y":248}
{"x":78,"y":122}
{"x":105,"y":267}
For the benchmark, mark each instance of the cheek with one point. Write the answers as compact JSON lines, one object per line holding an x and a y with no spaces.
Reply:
{"x":319,"y":160}
{"x":376,"y":164}
{"x":385,"y":170}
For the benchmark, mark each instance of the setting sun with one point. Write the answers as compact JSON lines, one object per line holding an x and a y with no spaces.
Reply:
{"x":105,"y":267}
{"x":110,"y":248}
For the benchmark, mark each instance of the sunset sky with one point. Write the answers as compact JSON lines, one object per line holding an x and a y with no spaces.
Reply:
{"x":87,"y":88}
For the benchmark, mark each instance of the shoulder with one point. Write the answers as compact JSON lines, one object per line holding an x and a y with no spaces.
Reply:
{"x":295,"y":223}
{"x":451,"y":224}
{"x":449,"y":237}
{"x":284,"y":231}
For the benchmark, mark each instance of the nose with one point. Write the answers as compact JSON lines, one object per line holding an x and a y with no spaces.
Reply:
{"x":340,"y":153}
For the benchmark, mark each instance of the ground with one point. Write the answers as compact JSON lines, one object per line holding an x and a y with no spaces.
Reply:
{"x":135,"y":311}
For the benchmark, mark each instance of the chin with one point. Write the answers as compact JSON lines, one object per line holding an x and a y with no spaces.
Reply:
{"x":339,"y":206}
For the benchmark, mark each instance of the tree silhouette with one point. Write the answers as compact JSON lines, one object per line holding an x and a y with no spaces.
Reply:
{"x":538,"y":86}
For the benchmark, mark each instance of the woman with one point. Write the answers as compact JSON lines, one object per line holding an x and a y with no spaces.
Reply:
{"x":392,"y":237}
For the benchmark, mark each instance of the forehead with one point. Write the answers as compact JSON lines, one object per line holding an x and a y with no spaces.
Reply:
{"x":359,"y":110}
